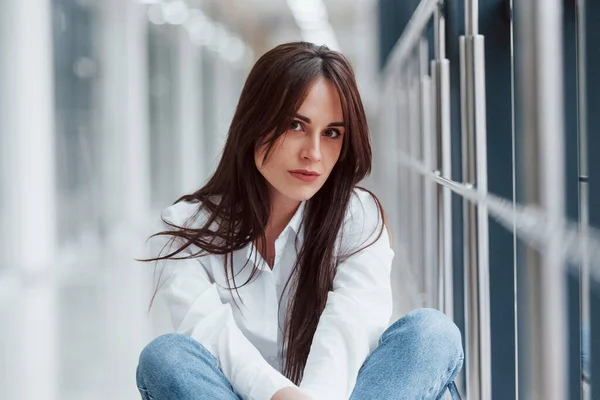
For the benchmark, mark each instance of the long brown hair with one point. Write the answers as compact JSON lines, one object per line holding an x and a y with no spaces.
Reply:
{"x":236,"y":199}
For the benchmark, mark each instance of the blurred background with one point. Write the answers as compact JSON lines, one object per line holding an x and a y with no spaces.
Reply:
{"x":110,"y":110}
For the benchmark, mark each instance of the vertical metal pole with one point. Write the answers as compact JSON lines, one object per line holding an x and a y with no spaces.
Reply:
{"x":441,"y":73}
{"x":540,"y":69}
{"x":473,"y":362}
{"x":389,"y":174}
{"x":471,"y":17}
{"x":395,"y":125}
{"x":483,"y":279}
{"x":476,"y":254}
{"x":394,"y":120}
{"x":415,"y":179}
{"x":584,"y":217}
{"x":516,"y":293}
{"x":446,"y":168}
{"x":409,"y":173}
{"x":436,"y":148}
{"x":429,"y":188}
{"x":404,"y":182}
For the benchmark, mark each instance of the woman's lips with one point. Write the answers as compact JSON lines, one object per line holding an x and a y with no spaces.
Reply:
{"x":305,"y":176}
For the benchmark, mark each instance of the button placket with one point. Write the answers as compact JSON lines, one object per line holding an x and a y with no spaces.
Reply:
{"x":279,"y":245}
{"x":271,"y":311}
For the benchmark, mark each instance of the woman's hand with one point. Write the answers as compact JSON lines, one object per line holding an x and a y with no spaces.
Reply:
{"x":290,"y":393}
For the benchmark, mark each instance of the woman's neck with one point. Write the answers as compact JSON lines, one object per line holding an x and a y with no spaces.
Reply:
{"x":282,"y":211}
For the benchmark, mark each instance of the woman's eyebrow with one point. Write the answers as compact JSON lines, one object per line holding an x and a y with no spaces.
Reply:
{"x":308,"y":121}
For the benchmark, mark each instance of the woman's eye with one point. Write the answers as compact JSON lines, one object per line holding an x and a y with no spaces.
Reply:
{"x":332,"y":133}
{"x":295,"y":126}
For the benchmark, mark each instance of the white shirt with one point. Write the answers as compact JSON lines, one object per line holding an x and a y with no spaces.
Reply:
{"x":246,"y":340}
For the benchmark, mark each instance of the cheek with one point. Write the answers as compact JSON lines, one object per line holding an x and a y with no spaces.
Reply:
{"x":333,"y":155}
{"x":267,"y":166}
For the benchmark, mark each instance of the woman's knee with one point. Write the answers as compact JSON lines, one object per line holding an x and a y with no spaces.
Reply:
{"x":429,"y":329}
{"x":163,"y":355}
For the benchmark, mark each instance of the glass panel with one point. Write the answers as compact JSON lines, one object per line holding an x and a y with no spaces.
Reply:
{"x":76,"y":79}
{"x":163,"y":116}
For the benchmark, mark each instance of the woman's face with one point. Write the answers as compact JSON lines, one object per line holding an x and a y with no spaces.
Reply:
{"x":303,"y":157}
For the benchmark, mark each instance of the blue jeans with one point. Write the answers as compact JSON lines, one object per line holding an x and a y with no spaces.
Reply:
{"x":417,"y":357}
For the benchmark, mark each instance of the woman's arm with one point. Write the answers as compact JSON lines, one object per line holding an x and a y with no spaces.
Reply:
{"x":357,"y":311}
{"x":197,"y":310}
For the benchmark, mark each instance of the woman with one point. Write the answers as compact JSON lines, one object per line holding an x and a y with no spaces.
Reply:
{"x":277,"y":272}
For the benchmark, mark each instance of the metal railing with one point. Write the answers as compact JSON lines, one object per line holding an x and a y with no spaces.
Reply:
{"x":425,"y":102}
{"x":544,"y":344}
{"x":415,"y":109}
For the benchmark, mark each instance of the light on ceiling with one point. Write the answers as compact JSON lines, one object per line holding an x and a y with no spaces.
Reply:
{"x":155,"y":14}
{"x":308,"y":10}
{"x":175,"y":12}
{"x":233,"y":50}
{"x":201,"y":30}
{"x":312,"y":19}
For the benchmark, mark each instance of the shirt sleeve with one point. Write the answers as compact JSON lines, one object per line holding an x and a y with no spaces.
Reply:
{"x":196,"y":310}
{"x":357,"y":311}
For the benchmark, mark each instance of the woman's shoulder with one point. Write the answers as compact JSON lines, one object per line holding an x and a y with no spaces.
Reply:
{"x":363,"y":217}
{"x":184,"y":214}
{"x":363,"y":206}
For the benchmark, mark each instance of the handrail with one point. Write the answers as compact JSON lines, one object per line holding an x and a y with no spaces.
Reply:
{"x":531,"y":224}
{"x":411,"y":35}
{"x":538,"y":224}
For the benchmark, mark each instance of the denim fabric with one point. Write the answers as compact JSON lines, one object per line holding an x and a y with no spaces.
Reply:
{"x":417,"y":357}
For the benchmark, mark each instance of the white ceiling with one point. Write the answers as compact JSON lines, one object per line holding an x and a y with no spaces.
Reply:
{"x":264,"y":23}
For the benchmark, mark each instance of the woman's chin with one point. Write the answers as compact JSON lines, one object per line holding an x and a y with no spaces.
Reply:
{"x":302,"y":194}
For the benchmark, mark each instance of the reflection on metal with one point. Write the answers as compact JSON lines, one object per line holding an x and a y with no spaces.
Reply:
{"x":429,"y":188}
{"x":405,"y":196}
{"x":421,"y":104}
{"x":445,"y":162}
{"x":584,"y":218}
{"x":439,"y":33}
{"x":441,"y":78}
{"x":476,"y":253}
{"x":424,"y":168}
{"x":530,"y":223}
{"x":411,"y":36}
{"x":471,"y":17}
{"x":416,"y":211}
{"x":424,"y":213}
{"x":514,"y":202}
{"x":543,"y":316}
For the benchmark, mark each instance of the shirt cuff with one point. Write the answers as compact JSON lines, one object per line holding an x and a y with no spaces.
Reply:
{"x":268,"y":382}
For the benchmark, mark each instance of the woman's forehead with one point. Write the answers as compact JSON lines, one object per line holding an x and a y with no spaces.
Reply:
{"x":322,"y":102}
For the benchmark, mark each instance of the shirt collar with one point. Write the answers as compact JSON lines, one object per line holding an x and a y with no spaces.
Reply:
{"x":295,"y":225}
{"x":296,"y":220}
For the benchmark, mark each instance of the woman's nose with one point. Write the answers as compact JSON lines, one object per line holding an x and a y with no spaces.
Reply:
{"x":312,"y":148}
